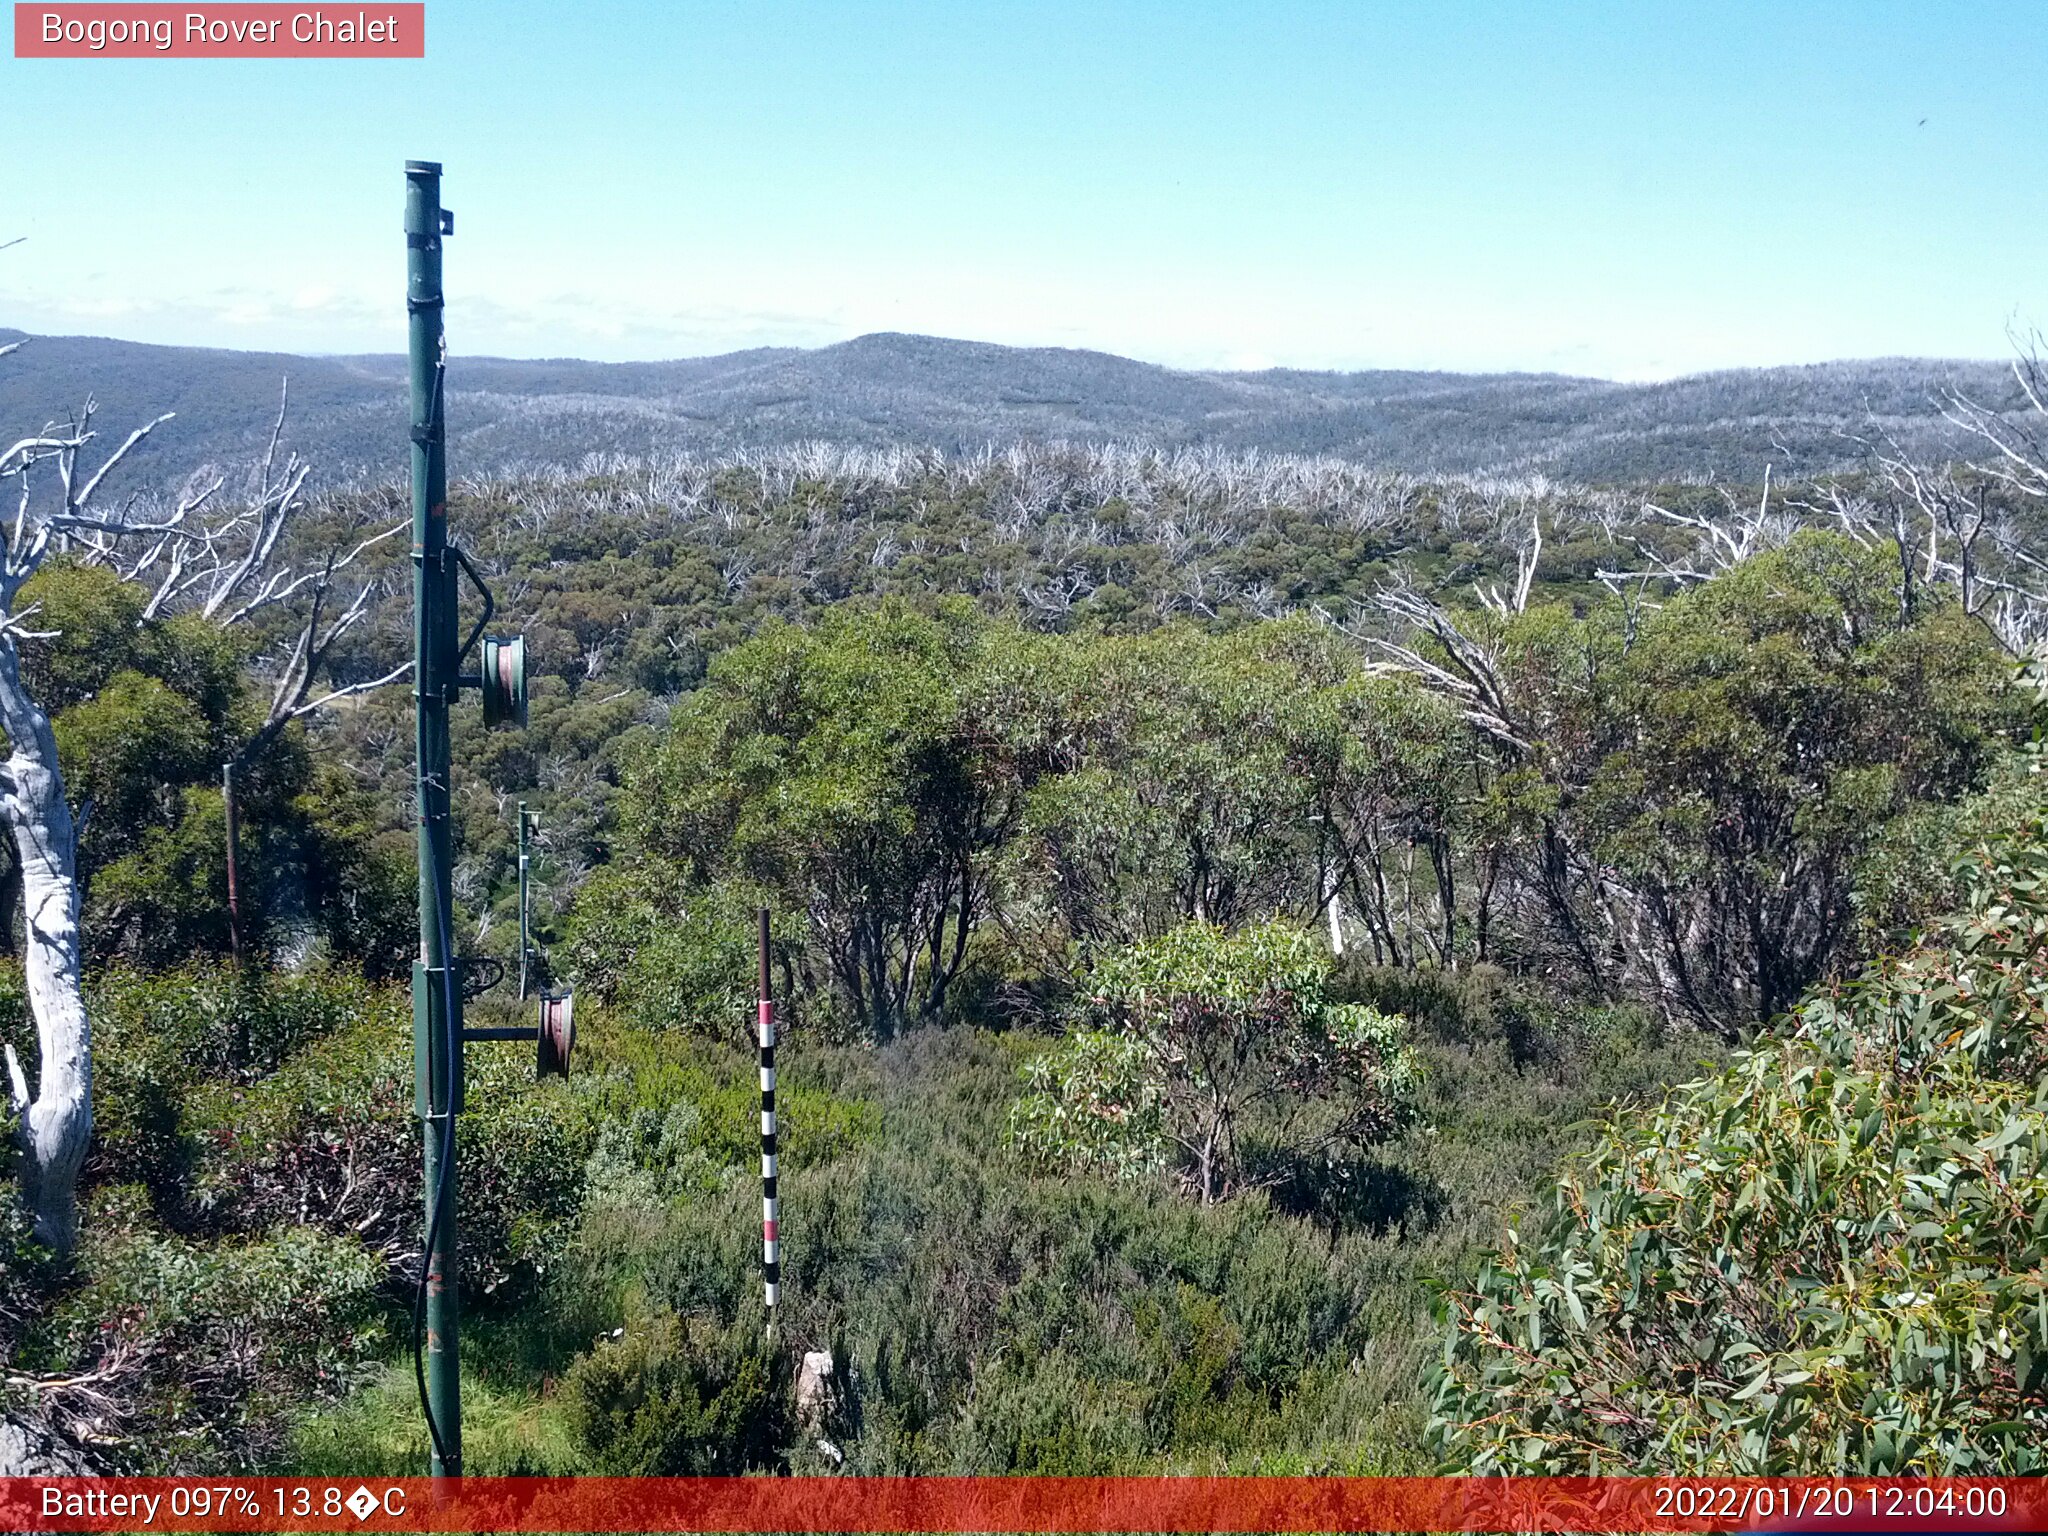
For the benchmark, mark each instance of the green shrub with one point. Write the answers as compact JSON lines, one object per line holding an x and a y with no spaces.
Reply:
{"x":1092,"y":1105}
{"x":986,"y":1320}
{"x":212,"y":1020}
{"x":362,"y":883}
{"x":1829,"y":1257}
{"x":649,"y":1156}
{"x":679,"y":1397}
{"x":663,"y":1095}
{"x":206,"y":1350}
{"x":159,"y":1038}
{"x":1483,"y":1006}
{"x":667,"y":956}
{"x":1225,"y":1048}
{"x":525,"y":1145}
{"x":331,"y":1139}
{"x":1913,"y":877}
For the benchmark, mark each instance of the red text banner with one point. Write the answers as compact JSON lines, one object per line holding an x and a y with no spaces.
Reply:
{"x":235,"y":31}
{"x":1024,"y":1504}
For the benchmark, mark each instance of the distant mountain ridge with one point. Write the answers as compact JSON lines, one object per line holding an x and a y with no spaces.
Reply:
{"x":348,"y":413}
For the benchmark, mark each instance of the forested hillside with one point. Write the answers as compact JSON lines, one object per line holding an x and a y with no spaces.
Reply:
{"x":1218,"y":896}
{"x":923,"y":391}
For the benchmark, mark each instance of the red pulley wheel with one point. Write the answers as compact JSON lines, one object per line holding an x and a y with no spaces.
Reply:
{"x":557,"y":1034}
{"x":504,"y":681}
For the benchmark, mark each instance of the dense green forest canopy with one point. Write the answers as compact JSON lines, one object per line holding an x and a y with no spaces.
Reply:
{"x":1210,"y":889}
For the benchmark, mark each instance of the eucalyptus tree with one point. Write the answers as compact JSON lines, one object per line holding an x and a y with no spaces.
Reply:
{"x":1183,"y":782}
{"x":1821,"y":1255}
{"x":224,"y":558}
{"x":838,"y":772}
{"x":1686,"y":791}
{"x":1222,"y":1054}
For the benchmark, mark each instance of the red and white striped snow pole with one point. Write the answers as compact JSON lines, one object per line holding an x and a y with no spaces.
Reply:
{"x":771,"y":1243}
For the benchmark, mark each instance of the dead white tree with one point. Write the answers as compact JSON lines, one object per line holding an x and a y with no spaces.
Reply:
{"x":227,"y":563}
{"x":1720,"y":543}
{"x":1955,"y":526}
{"x":1995,"y":562}
{"x":56,"y":1117}
{"x":2018,"y":439}
{"x":1051,"y":603}
{"x":1469,"y":672}
{"x":1526,"y":559}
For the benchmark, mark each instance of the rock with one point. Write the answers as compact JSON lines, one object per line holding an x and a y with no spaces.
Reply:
{"x":815,"y":1390}
{"x":29,"y":1449}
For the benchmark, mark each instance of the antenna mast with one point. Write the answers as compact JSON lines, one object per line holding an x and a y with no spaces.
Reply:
{"x":436,"y":991}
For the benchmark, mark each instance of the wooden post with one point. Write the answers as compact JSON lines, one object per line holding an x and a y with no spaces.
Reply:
{"x":227,"y":792}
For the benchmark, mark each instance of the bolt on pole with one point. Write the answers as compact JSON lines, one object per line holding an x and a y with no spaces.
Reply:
{"x":436,"y":991}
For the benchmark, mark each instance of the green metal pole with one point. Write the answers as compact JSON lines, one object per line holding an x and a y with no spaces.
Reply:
{"x":437,"y":995}
{"x":523,"y":926}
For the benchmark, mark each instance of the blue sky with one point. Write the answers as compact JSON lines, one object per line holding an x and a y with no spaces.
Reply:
{"x":1633,"y":190}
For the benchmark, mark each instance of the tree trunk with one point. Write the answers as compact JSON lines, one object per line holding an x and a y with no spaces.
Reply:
{"x":1440,"y":856}
{"x":57,"y":1121}
{"x":10,"y":901}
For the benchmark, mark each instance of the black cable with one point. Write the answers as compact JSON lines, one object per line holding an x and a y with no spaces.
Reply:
{"x":443,"y":924}
{"x":447,"y":1158}
{"x":445,"y":1162}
